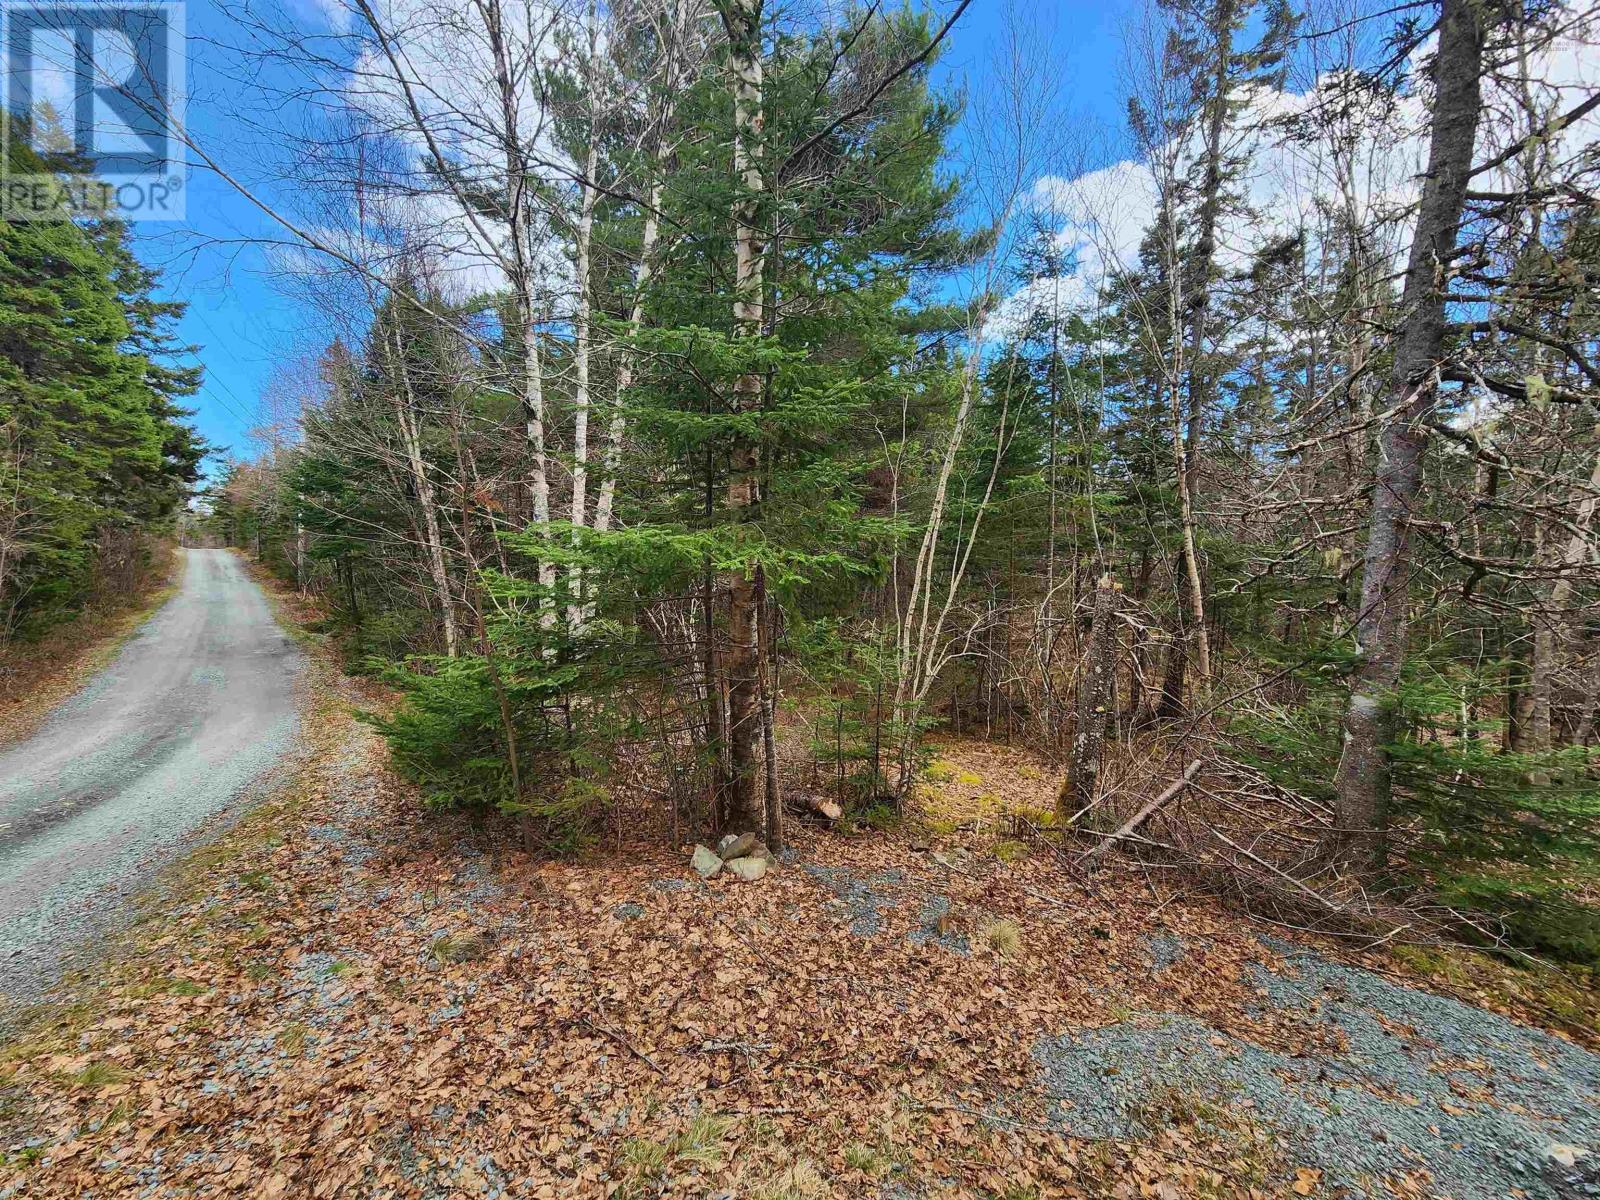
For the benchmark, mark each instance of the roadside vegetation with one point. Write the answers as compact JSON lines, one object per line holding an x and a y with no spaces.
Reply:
{"x":879,"y":652}
{"x":467,"y":1017}
{"x":96,"y":453}
{"x":801,"y":422}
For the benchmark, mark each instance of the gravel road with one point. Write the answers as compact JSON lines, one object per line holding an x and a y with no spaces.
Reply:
{"x":175,"y":733}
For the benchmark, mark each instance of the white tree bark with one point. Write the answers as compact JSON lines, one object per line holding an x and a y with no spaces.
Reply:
{"x":406,"y":414}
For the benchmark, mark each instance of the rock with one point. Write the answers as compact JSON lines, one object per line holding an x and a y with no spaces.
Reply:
{"x":760,"y":850}
{"x":732,"y":847}
{"x":1567,"y":1156}
{"x":706,"y":862}
{"x":747,"y":869}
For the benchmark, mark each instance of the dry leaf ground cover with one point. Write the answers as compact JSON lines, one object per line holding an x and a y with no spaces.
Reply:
{"x":347,"y":996}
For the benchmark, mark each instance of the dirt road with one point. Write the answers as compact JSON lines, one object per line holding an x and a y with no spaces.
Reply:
{"x":174,"y":734}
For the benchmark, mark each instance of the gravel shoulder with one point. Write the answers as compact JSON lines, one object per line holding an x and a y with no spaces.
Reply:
{"x":1401,"y":1083}
{"x":177,"y":733}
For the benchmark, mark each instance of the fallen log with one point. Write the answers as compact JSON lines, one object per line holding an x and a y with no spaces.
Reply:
{"x":818,"y":806}
{"x":1132,"y":824}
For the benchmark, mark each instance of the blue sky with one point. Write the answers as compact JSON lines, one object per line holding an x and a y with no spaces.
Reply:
{"x":244,"y":324}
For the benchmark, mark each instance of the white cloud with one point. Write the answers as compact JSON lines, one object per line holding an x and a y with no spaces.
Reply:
{"x":1103,"y":215}
{"x":427,"y":90}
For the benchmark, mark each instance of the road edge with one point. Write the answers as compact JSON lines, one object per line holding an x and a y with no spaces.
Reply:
{"x":74,"y":662}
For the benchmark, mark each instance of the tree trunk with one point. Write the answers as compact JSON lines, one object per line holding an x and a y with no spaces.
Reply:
{"x":1199,"y":380}
{"x":520,"y":271}
{"x":1552,"y":628}
{"x":769,"y":687}
{"x":742,"y":19}
{"x":1362,"y":782}
{"x":625,"y":368}
{"x":1094,"y":702}
{"x":1175,"y":669}
{"x":1517,"y":700}
{"x":1583,"y":728}
{"x":649,"y":236}
{"x":581,"y":322}
{"x":406,"y":414}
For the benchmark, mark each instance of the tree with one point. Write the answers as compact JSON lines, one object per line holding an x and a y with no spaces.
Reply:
{"x":1362,"y":785}
{"x":93,"y":441}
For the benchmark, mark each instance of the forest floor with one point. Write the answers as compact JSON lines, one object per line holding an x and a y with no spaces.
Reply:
{"x":349,"y":996}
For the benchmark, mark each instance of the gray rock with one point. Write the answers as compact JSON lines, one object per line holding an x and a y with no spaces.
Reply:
{"x":732,"y":847}
{"x":706,"y":862}
{"x":1383,"y":1101}
{"x":747,"y":869}
{"x":863,"y":897}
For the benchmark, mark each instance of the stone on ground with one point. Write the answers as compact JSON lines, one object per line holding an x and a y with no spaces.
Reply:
{"x":747,"y":869}
{"x":736,"y":846}
{"x":706,"y":862}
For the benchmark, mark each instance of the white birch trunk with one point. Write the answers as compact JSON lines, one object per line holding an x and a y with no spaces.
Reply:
{"x":405,"y":412}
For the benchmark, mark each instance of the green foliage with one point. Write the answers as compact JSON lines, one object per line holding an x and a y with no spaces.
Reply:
{"x":853,"y":736}
{"x":1511,"y":837}
{"x":92,"y":438}
{"x":1537,"y":909}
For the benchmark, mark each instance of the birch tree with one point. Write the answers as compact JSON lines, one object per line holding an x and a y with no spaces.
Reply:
{"x":1362,"y":783}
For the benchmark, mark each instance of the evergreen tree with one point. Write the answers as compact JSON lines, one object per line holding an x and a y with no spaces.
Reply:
{"x":93,"y":440}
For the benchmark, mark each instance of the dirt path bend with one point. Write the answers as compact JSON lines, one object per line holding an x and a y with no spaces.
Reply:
{"x":187,"y":719}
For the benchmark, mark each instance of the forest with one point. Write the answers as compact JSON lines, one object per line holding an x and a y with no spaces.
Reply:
{"x":716,"y":402}
{"x":97,"y":455}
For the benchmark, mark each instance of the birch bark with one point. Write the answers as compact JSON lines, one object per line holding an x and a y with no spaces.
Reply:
{"x":1362,"y":783}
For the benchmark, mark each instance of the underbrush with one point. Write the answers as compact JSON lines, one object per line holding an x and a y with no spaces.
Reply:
{"x":1566,"y":997}
{"x":1510,"y":841}
{"x":1547,"y":912}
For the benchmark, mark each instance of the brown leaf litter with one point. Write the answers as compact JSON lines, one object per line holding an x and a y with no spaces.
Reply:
{"x":354,"y":997}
